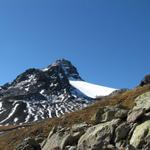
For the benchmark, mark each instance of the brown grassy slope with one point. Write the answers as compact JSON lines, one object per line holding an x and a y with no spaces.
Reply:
{"x":9,"y":141}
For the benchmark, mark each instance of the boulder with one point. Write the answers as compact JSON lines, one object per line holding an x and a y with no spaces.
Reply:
{"x":98,"y":137}
{"x":39,"y":139}
{"x":133,"y":126}
{"x":129,"y":147}
{"x":135,"y":114}
{"x":140,"y":135}
{"x":122,"y":131}
{"x":79,"y":127}
{"x":142,"y":101}
{"x":109,"y":113}
{"x":57,"y":139}
{"x":121,"y":113}
{"x":97,"y":117}
{"x":29,"y":144}
{"x":64,"y":138}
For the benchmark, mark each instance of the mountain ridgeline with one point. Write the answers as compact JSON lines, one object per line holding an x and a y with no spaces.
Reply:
{"x":41,"y":93}
{"x":37,"y":94}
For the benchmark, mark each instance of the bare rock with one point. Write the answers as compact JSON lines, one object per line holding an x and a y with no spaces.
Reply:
{"x":134,"y":115}
{"x":29,"y":144}
{"x":140,"y":136}
{"x":122,"y":131}
{"x":98,"y":136}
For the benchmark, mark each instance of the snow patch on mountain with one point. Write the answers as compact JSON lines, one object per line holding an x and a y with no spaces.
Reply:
{"x":91,"y":90}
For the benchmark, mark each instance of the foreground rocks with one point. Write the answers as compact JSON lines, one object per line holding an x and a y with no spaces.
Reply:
{"x":141,"y":135}
{"x":112,"y":128}
{"x":29,"y":144}
{"x":98,"y":136}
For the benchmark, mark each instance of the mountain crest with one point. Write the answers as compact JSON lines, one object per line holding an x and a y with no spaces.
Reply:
{"x":66,"y":67}
{"x":37,"y":94}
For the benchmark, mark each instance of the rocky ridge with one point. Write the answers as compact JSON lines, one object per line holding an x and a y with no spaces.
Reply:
{"x":38,"y":94}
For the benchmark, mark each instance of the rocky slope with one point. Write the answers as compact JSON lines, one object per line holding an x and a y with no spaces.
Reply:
{"x":51,"y":92}
{"x":120,"y":121}
{"x":112,"y":128}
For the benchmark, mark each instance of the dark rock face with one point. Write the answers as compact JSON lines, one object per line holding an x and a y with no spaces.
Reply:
{"x":28,"y":144}
{"x":145,"y":81}
{"x":41,"y":93}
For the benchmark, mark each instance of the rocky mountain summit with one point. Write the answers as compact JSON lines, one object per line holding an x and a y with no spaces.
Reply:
{"x":41,"y":93}
{"x":38,"y":94}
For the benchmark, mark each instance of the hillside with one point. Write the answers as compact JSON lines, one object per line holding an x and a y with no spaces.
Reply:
{"x":126,"y":99}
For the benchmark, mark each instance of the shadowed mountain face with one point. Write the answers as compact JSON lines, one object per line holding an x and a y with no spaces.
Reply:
{"x":41,"y":93}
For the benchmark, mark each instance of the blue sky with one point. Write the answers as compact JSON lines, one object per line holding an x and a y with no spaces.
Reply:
{"x":107,"y":40}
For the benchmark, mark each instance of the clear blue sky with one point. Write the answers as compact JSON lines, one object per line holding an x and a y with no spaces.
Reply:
{"x":107,"y":40}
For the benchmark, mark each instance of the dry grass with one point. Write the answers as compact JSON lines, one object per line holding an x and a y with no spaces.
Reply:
{"x":9,"y":141}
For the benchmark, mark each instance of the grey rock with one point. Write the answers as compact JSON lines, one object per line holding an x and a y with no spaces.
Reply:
{"x":133,"y":126}
{"x":70,"y":147}
{"x":53,"y":130}
{"x":121,"y":113}
{"x":79,"y":127}
{"x":39,"y":139}
{"x":120,"y":144}
{"x":143,"y":101}
{"x":147,"y":143}
{"x":122,"y":131}
{"x":56,"y":140}
{"x":140,"y":135}
{"x":98,"y":136}
{"x":135,"y":114}
{"x":110,"y":147}
{"x":97,"y":117}
{"x":28,"y":144}
{"x":129,"y":147}
{"x":109,"y":113}
{"x":62,"y":137}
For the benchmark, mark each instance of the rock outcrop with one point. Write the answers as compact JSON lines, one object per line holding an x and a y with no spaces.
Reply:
{"x":38,"y":94}
{"x":99,"y":136}
{"x":146,"y":80}
{"x":29,"y":144}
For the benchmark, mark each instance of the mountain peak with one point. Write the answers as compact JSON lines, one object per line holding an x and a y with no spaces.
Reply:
{"x":62,"y":61}
{"x":37,"y":94}
{"x":68,"y":69}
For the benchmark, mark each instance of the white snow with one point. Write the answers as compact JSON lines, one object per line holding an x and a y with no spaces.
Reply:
{"x":91,"y":90}
{"x":45,"y":69}
{"x":30,"y":112}
{"x":27,"y":89}
{"x":12,"y":112}
{"x":16,"y":119}
{"x":0,"y":105}
{"x":42,"y":91}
